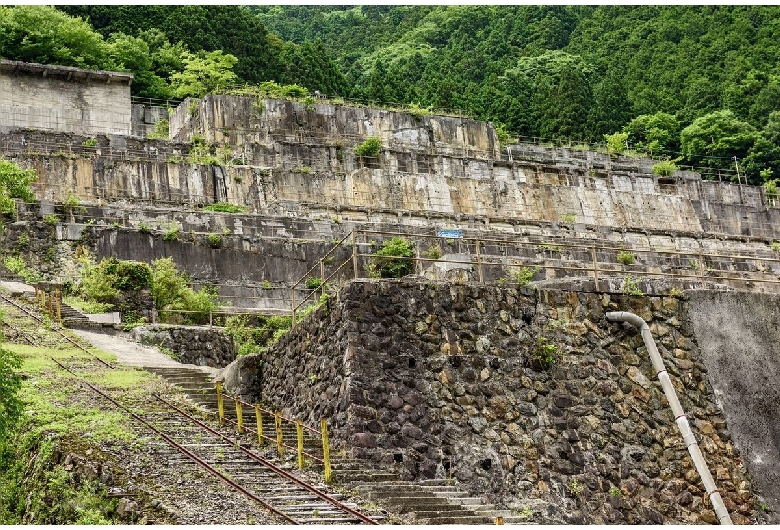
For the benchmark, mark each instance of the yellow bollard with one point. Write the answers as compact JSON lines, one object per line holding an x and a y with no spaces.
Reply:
{"x":279,"y":440}
{"x":299,"y":427}
{"x":240,"y":416}
{"x":325,"y":450}
{"x":259,"y":418}
{"x":499,"y":520}
{"x":220,"y":404}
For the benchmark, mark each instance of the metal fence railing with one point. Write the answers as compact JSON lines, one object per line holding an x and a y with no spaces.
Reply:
{"x":496,"y":260}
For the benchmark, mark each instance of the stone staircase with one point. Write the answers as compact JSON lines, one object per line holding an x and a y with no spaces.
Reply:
{"x":425,"y":502}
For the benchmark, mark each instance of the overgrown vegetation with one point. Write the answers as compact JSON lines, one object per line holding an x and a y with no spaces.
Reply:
{"x":626,"y":257}
{"x":545,"y":354}
{"x":14,"y":184}
{"x":225,"y":207}
{"x":631,"y":287}
{"x":161,"y":130}
{"x":524,"y":275}
{"x":45,"y":413}
{"x":370,"y":147}
{"x":171,"y":292}
{"x":393,"y":260}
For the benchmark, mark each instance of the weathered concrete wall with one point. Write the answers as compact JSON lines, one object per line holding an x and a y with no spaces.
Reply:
{"x":239,"y":121}
{"x":144,"y":118}
{"x":739,"y":336}
{"x":62,"y":98}
{"x":197,"y":345}
{"x":439,"y":380}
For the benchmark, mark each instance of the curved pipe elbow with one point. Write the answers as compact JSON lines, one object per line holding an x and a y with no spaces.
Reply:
{"x":625,"y":316}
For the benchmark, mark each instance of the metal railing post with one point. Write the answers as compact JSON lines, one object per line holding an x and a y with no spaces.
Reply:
{"x":479,"y":263}
{"x":279,"y":439}
{"x":299,"y":428}
{"x":259,"y":420}
{"x":220,"y":403}
{"x":354,"y":255}
{"x":325,"y":450}
{"x":58,"y":296}
{"x":240,"y":416}
{"x":292,"y":304}
{"x":322,"y":276}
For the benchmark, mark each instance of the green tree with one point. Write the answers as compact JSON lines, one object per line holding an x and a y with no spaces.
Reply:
{"x":714,"y":139}
{"x":654,"y":133}
{"x":14,"y":184}
{"x":204,"y":73}
{"x":43,"y":34}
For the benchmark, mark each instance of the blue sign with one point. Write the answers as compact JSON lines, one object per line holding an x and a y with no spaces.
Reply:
{"x":453,"y":233}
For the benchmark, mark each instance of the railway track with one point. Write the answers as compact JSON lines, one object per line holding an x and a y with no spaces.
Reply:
{"x":182,"y":442}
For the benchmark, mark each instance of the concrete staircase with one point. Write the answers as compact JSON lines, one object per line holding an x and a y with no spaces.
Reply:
{"x":437,"y":501}
{"x":425,"y":502}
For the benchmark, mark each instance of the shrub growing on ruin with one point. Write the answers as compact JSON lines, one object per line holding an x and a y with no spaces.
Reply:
{"x":370,"y":147}
{"x":14,"y":184}
{"x":225,"y":207}
{"x":625,"y":257}
{"x":664,"y":168}
{"x":393,"y":260}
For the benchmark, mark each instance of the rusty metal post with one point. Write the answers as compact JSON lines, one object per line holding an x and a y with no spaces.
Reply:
{"x":259,"y":420}
{"x":479,"y":263}
{"x":326,"y":450}
{"x":58,"y":296}
{"x":279,"y":440}
{"x":240,"y":416}
{"x":220,"y":403}
{"x":322,"y":277}
{"x":354,"y":255}
{"x":299,"y":429}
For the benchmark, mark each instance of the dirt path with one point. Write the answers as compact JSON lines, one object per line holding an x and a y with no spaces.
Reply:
{"x":134,"y":354}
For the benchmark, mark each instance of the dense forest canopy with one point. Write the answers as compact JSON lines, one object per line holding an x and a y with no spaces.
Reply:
{"x":694,"y":83}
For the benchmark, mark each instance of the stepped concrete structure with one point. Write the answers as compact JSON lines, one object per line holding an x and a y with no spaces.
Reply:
{"x":434,"y":377}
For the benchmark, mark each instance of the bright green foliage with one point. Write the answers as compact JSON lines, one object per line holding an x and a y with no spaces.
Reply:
{"x":225,"y":207}
{"x":14,"y":184}
{"x":313,"y":283}
{"x":616,"y":143}
{"x":393,"y":260}
{"x":214,"y":240}
{"x":626,"y":257}
{"x":370,"y":147}
{"x":161,"y":131}
{"x":204,"y":73}
{"x":11,"y":407}
{"x":664,"y":168}
{"x":524,"y":275}
{"x":105,"y":281}
{"x":545,"y":354}
{"x":42,"y":34}
{"x":654,"y":133}
{"x":170,"y":290}
{"x":17,"y":265}
{"x":718,"y":134}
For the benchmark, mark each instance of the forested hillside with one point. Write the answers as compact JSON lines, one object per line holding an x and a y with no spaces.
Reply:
{"x":709,"y":72}
{"x":697,"y":84}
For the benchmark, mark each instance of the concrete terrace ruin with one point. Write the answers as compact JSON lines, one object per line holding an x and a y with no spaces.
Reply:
{"x":432,"y":369}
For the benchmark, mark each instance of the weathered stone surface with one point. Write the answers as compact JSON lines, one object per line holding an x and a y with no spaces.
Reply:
{"x":508,"y":428}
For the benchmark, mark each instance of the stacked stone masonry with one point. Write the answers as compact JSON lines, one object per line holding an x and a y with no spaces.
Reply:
{"x":438,"y":380}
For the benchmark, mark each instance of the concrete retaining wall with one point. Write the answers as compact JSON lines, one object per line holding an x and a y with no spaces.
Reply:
{"x":61,"y":98}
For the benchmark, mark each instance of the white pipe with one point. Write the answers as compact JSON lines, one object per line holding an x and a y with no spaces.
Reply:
{"x":679,"y":415}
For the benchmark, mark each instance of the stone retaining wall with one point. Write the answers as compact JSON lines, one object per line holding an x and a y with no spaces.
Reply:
{"x":197,"y":345}
{"x":440,"y":380}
